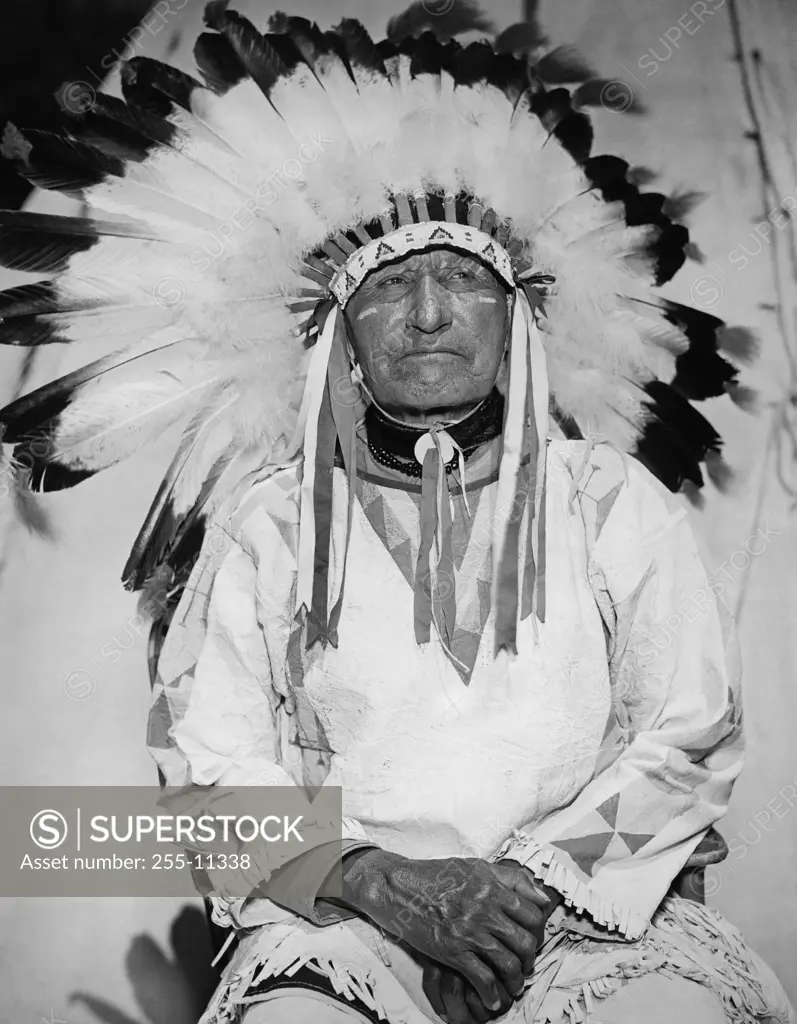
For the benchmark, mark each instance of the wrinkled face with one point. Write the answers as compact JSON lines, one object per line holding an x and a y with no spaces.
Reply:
{"x":429,"y":332}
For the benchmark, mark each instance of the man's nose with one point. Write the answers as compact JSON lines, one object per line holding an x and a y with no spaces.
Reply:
{"x":429,"y":312}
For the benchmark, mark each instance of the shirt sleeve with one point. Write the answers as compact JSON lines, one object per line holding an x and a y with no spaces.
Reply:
{"x":217,"y":719}
{"x":673,"y":745}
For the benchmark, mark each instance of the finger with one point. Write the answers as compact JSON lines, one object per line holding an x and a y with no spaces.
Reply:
{"x":505,"y":998}
{"x":505,"y":964}
{"x":432,"y":978}
{"x":522,"y":943}
{"x":478,"y":1010}
{"x":481,"y":977}
{"x":452,"y":989}
{"x":522,"y":911}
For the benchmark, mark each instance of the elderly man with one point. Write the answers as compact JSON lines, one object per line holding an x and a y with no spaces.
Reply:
{"x":471,"y":780}
{"x":425,"y":557}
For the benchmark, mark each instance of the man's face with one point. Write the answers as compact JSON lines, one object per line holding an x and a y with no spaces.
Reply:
{"x":429,"y":332}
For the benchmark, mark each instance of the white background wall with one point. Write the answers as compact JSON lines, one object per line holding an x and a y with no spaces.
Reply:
{"x":73,"y":716}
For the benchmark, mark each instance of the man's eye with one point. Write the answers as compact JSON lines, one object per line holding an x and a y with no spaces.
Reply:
{"x":394,"y":279}
{"x":462,"y":275}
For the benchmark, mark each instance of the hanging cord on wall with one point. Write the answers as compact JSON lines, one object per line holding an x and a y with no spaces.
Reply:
{"x":777,"y":162}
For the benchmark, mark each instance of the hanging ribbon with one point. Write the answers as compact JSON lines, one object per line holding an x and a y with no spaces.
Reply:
{"x":343,"y":412}
{"x":317,"y":469}
{"x":533,"y":584}
{"x":423,"y":592}
{"x":445,"y":586}
{"x":507,"y":517}
{"x":435,"y":592}
{"x":538,"y":371}
{"x":315,"y":374}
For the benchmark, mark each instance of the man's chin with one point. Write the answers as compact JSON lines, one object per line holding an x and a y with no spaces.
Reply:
{"x":435,"y":402}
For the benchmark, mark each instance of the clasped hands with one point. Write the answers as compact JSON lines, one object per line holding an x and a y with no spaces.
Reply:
{"x":478,"y":925}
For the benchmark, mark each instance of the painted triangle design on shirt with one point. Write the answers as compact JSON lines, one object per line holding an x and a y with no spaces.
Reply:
{"x":605,"y":505}
{"x":287,"y":531}
{"x":376,"y":516}
{"x":586,"y":851}
{"x":635,"y":841}
{"x":608,"y":809}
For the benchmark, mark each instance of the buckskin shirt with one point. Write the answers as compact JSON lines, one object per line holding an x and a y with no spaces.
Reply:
{"x":598,"y":756}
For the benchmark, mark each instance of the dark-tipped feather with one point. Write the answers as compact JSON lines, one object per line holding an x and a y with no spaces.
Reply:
{"x":55,"y":162}
{"x":162,"y":522}
{"x":576,"y":135}
{"x":120,"y":130}
{"x":667,"y":247}
{"x":36,"y":314}
{"x":676,"y":439}
{"x":700,"y":371}
{"x":680,"y":204}
{"x":316,"y":48}
{"x":306,"y":36}
{"x":155,"y":86}
{"x":427,"y":55}
{"x":37,"y":411}
{"x":609,"y":174}
{"x":40,"y":472}
{"x":739,"y":342}
{"x":43,"y":244}
{"x":612,"y":95}
{"x":170,"y":538}
{"x":693,"y":252}
{"x":450,"y":20}
{"x":524,"y":37}
{"x":361,"y":51}
{"x":563,"y":65}
{"x":218,"y":63}
{"x":256,"y":55}
{"x":572,"y":130}
{"x":473,"y":64}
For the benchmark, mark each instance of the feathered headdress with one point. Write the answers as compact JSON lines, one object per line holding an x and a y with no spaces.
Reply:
{"x":231,"y":219}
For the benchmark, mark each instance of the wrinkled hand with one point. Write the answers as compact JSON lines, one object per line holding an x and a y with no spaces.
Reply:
{"x":455,"y":1000}
{"x":451,"y":996}
{"x":484,"y":921}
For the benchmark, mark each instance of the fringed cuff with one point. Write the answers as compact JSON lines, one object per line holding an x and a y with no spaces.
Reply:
{"x":604,"y":910}
{"x":301,"y":881}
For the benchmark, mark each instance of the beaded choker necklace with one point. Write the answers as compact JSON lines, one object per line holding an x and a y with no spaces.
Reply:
{"x":394,"y":445}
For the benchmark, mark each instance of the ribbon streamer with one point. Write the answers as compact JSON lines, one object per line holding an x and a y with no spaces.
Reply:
{"x":423,"y":599}
{"x":315,"y":391}
{"x":445,"y":584}
{"x":506,"y":520}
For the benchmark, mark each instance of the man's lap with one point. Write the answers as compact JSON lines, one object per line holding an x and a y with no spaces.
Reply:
{"x":652,"y":999}
{"x":299,"y":1006}
{"x":688,"y":966}
{"x":655,"y":999}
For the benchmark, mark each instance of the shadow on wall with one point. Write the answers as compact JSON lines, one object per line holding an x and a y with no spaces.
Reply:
{"x":169,"y":989}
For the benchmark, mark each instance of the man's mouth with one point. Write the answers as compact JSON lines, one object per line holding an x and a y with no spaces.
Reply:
{"x":427,"y":352}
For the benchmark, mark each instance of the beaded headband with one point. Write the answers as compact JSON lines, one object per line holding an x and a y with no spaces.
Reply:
{"x":414,"y":222}
{"x":416,"y":238}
